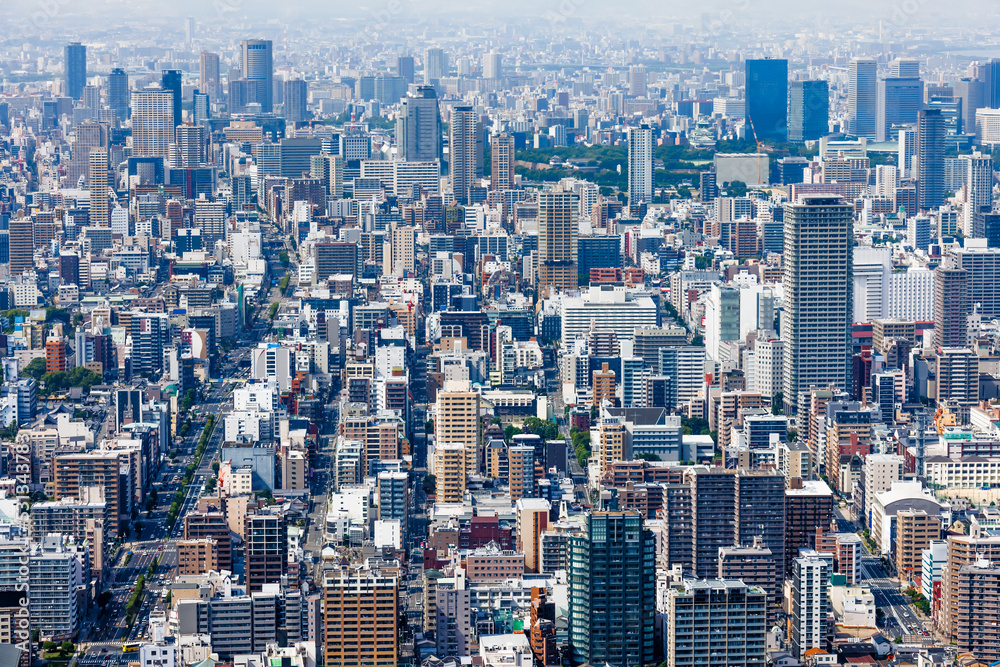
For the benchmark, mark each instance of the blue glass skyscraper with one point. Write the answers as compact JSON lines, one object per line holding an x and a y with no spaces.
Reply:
{"x":767,"y":98}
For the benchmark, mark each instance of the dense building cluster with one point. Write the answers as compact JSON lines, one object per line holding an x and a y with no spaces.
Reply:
{"x":514,"y":350}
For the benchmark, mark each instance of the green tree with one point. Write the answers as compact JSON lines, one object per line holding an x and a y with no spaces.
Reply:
{"x":283,"y":258}
{"x":430,"y":483}
{"x":647,"y":456}
{"x":35,"y":368}
{"x":778,"y":404}
{"x":735,"y":188}
{"x":510,"y":431}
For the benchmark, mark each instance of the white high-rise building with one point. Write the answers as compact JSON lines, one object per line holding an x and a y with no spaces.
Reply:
{"x":768,"y":358}
{"x":978,"y":191}
{"x":911,"y":295}
{"x":152,"y":122}
{"x":640,"y":164}
{"x":886,"y":181}
{"x":637,"y":81}
{"x":190,"y":140}
{"x":872,"y":268}
{"x":492,"y":66}
{"x":810,"y":580}
{"x":862,"y":97}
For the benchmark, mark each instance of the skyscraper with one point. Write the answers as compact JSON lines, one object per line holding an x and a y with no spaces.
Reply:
{"x":152,"y":122}
{"x":637,"y":81}
{"x":640,"y":165}
{"x":209,"y":79}
{"x":190,"y":139}
{"x":978,"y":170}
{"x":464,"y":128}
{"x":360,"y":625}
{"x":100,"y":212}
{"x":816,"y":326}
{"x":404,"y":68}
{"x":22,"y":244}
{"x":557,"y":232}
{"x":258,"y":71}
{"x":458,"y":423}
{"x":930,"y":159}
{"x":170,"y":80}
{"x":991,"y":84}
{"x":612,"y":591}
{"x":767,"y":98}
{"x":970,"y":92}
{"x":502,"y":162}
{"x":808,"y":110}
{"x":435,"y":65}
{"x":492,"y":65}
{"x":418,"y":127}
{"x":296,"y":96}
{"x":862,"y":98}
{"x":810,"y":580}
{"x":951,"y":306}
{"x":75,"y":69}
{"x":118,"y":93}
{"x":898,"y":101}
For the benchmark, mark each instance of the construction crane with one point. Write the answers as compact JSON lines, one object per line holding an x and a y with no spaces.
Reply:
{"x":761,"y":148}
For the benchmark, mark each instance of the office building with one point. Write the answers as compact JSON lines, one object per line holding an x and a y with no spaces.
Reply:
{"x":492,"y":65}
{"x":21,"y":244}
{"x":557,"y":249}
{"x":637,"y":81}
{"x":952,"y":307}
{"x":152,"y":122}
{"x":170,"y":81}
{"x":612,"y":591}
{"x":258,"y":71}
{"x":209,"y":77}
{"x":404,"y":68}
{"x":360,"y":620}
{"x":418,"y":126}
{"x":930,"y":159}
{"x":716,"y":622}
{"x":118,"y":94}
{"x":435,"y":65}
{"x":296,"y":99}
{"x":74,"y":69}
{"x":640,"y":165}
{"x":808,"y":111}
{"x":767,"y":98}
{"x":862,"y":98}
{"x":816,"y":325}
{"x":898,"y":101}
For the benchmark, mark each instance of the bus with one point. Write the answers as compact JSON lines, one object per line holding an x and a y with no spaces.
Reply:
{"x":130,"y":647}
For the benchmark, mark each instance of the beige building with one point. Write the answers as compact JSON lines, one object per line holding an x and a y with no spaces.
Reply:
{"x":457,"y":421}
{"x":449,"y":473}
{"x":532,"y":521}
{"x":557,"y":252}
{"x":197,"y":556}
{"x":915,"y":530}
{"x":361,"y":619}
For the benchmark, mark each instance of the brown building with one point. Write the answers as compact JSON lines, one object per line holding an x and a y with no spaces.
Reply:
{"x":72,"y":473}
{"x":557,"y":254}
{"x":361,"y":619}
{"x":604,"y":386}
{"x":977,"y":617}
{"x":808,"y":506}
{"x":197,"y":556}
{"x":55,"y":355}
{"x":962,"y":550}
{"x":211,"y":524}
{"x":22,"y":245}
{"x":756,"y":566}
{"x":915,"y":530}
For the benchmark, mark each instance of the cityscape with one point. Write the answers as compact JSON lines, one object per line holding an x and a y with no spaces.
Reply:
{"x":528,"y":335}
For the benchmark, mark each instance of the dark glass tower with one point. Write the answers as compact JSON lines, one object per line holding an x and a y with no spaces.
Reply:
{"x":808,"y":110}
{"x":76,"y":69}
{"x":170,"y":80}
{"x":612,"y":591}
{"x":767,"y":98}
{"x":118,"y":93}
{"x":930,"y":156}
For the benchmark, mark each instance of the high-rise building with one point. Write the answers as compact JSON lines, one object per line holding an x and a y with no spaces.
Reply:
{"x":457,"y":422}
{"x":404,"y":68}
{"x":266,"y":549}
{"x":360,"y":624}
{"x":862,"y":98}
{"x":296,"y":96}
{"x":492,"y":65}
{"x":701,"y":613}
{"x":75,"y":69}
{"x":150,"y":333}
{"x":418,"y":126}
{"x":808,"y":111}
{"x":930,"y":159}
{"x":258,"y":70}
{"x":990,"y":76}
{"x":767,"y":98}
{"x":152,"y":122}
{"x":502,"y":162}
{"x":118,"y":94}
{"x":816,"y":326}
{"x":640,"y":165}
{"x":809,"y":604}
{"x":209,"y":77}
{"x":190,"y":140}
{"x":978,"y":169}
{"x":72,"y":473}
{"x":637,"y":81}
{"x":171,"y":81}
{"x":435,"y":65}
{"x":760,"y":510}
{"x":977,"y":618}
{"x":897,"y":102}
{"x":557,"y":251}
{"x":714,"y":517}
{"x":612,"y":591}
{"x":100,"y":212}
{"x":465,"y":126}
{"x":970,"y":93}
{"x":21,"y":244}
